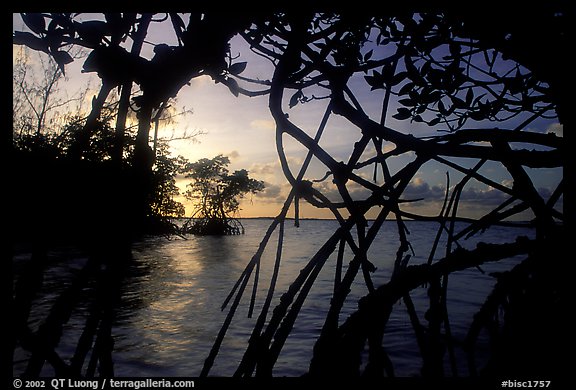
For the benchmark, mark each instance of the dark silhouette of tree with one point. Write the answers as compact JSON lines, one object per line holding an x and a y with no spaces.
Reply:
{"x":35,"y":101}
{"x":61,"y":201}
{"x":477,"y":90}
{"x":109,"y":186}
{"x":202,"y":50}
{"x":217,"y":193}
{"x":33,"y":150}
{"x":165,"y":170}
{"x":450,"y":73}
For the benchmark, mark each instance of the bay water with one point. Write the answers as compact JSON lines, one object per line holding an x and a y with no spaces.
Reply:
{"x":170,"y":313}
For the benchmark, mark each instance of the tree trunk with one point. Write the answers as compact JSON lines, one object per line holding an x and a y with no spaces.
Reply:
{"x":142,"y":169}
{"x":124,"y":103}
{"x":82,"y":143}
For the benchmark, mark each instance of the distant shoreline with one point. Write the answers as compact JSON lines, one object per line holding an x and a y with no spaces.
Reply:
{"x":528,"y":224}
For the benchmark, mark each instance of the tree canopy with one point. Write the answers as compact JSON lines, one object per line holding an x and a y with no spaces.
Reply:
{"x":216,"y":193}
{"x":476,"y":79}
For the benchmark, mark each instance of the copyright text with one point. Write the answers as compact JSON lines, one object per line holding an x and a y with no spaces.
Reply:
{"x":102,"y":384}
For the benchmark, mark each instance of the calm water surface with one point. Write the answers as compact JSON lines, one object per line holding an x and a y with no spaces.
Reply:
{"x":170,"y":314}
{"x":171,"y":306}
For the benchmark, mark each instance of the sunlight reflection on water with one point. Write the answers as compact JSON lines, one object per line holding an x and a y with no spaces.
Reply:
{"x":171,"y":312}
{"x":170,"y":309}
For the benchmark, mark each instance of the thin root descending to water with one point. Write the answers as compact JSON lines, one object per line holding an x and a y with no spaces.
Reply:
{"x":308,"y":69}
{"x":376,"y":103}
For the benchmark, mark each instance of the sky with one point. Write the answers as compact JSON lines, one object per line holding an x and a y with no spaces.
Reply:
{"x":243,"y":129}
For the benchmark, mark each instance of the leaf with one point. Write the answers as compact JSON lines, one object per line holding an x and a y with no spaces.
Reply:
{"x":461,"y":122}
{"x":513,"y":84}
{"x":61,"y":20}
{"x":435,"y":77}
{"x":374,"y":81}
{"x":52,"y":25}
{"x":115,"y":25}
{"x":368,"y":55}
{"x":458,"y":103}
{"x":433,"y":96}
{"x":177,"y":24}
{"x":469,"y":96}
{"x":430,"y":43}
{"x":237,"y":68}
{"x":233,"y":86}
{"x":62,"y":57}
{"x":93,"y":31}
{"x":295,"y":99}
{"x":113,"y":17}
{"x":455,"y":49}
{"x":477,"y":99}
{"x":30,"y":40}
{"x":407,"y":102}
{"x":421,"y":108}
{"x":177,"y":21}
{"x":434,"y":121}
{"x":35,"y":22}
{"x":426,"y":68}
{"x":406,"y":88}
{"x":403,"y":113}
{"x":477,"y":115}
{"x":397,"y":78}
{"x":414,"y":95}
{"x":54,"y":39}
{"x":413,"y":72}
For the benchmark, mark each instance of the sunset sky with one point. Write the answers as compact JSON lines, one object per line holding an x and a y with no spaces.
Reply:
{"x":242,"y":129}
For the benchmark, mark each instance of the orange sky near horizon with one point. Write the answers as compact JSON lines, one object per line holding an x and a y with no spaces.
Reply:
{"x":243,"y":129}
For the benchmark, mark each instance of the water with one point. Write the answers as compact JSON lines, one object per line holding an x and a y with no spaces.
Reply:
{"x":169,"y":313}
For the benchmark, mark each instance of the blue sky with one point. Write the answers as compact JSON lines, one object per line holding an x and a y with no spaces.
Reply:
{"x":242,"y":128}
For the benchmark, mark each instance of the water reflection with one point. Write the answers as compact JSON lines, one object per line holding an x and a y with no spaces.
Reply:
{"x":180,"y":287}
{"x":168,"y":312}
{"x":186,"y":282}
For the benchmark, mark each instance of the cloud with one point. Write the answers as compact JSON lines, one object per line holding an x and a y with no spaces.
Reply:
{"x":330,"y":190}
{"x":418,"y":188}
{"x":426,"y":193}
{"x":199,"y":82}
{"x":544,"y":192}
{"x":357,"y":191}
{"x":233,"y":155}
{"x":264,"y":168}
{"x":556,"y":128}
{"x":485,"y":196}
{"x":272,"y":191}
{"x":371,"y":152}
{"x":552,"y":128}
{"x":473,"y":199}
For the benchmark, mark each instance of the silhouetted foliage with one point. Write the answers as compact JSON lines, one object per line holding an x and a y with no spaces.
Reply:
{"x":38,"y":104}
{"x":34,"y":150}
{"x":434,"y":69}
{"x":476,"y":80}
{"x":165,"y":189}
{"x":216,"y":193}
